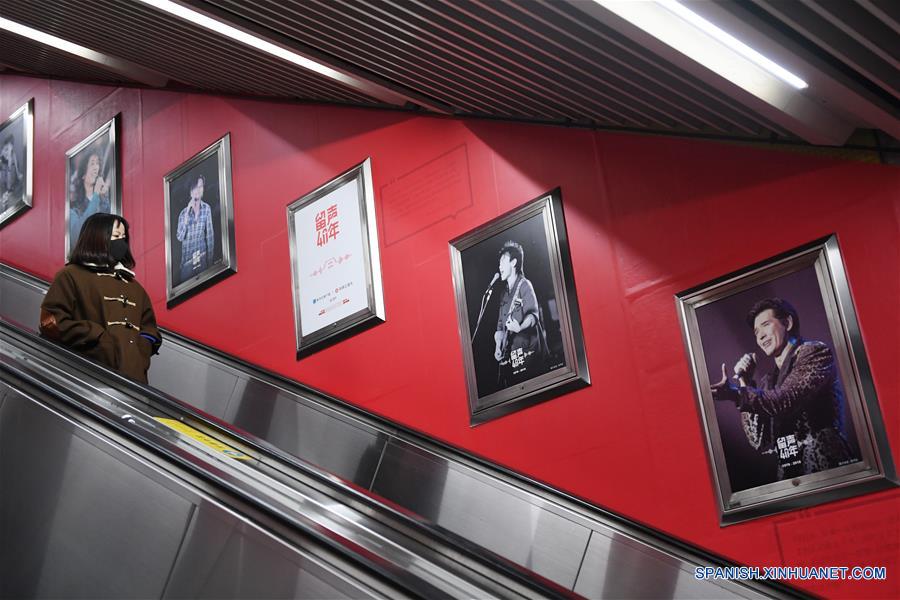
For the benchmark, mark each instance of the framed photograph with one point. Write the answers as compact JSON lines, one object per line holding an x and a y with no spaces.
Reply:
{"x":517,"y":310}
{"x":335,"y":264}
{"x":199,"y":213}
{"x":16,"y":160}
{"x":93,"y":179}
{"x":784,"y":389}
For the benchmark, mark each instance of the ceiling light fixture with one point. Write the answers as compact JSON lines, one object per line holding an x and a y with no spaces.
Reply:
{"x":239,"y":35}
{"x":703,"y":49}
{"x":110,"y":63}
{"x":732,"y":42}
{"x":368,"y":86}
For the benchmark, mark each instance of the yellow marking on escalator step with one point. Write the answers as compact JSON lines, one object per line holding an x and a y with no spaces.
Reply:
{"x":204,"y":439}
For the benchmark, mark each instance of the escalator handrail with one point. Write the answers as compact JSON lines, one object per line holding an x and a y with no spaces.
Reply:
{"x":487,"y":561}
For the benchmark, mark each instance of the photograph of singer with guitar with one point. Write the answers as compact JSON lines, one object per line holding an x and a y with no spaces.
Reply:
{"x":509,"y":333}
{"x":520,"y":341}
{"x":520,"y":327}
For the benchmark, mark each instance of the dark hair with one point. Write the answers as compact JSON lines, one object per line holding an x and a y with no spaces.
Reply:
{"x":77,"y":182}
{"x":782,"y":309}
{"x":515,"y":252}
{"x":85,"y":161}
{"x":93,"y":241}
{"x":8,"y":140}
{"x":197,"y":180}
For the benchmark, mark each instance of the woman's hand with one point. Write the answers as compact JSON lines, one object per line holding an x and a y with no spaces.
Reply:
{"x":101,"y":186}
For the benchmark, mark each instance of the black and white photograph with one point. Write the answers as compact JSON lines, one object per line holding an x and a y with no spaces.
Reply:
{"x":518,"y":314}
{"x":783,"y":408}
{"x":93,"y":179}
{"x":16,"y":148}
{"x":199,"y":222}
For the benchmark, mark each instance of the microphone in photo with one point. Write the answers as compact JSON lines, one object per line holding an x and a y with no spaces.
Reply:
{"x":485,"y":298}
{"x":490,"y":287}
{"x":744,"y":369}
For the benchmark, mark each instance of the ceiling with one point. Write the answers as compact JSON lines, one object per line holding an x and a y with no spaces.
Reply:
{"x":570,"y":62}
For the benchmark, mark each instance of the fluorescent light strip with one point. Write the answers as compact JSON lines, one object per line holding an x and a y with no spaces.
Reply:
{"x":371,"y":86}
{"x":109,"y":63}
{"x":243,"y":37}
{"x":51,"y":40}
{"x":732,"y":42}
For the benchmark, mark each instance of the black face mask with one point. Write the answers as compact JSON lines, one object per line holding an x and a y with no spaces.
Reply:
{"x":118,"y":249}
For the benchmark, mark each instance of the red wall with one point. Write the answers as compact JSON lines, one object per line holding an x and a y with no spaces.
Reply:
{"x":647,"y":217}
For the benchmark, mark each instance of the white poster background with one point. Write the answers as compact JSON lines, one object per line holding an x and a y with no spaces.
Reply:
{"x":332,"y":277}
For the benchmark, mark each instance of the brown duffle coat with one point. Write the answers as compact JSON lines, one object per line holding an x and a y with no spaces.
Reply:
{"x":101,"y":313}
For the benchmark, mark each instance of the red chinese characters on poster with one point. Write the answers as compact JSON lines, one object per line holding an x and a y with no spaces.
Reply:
{"x":330,"y":267}
{"x":327,"y":225}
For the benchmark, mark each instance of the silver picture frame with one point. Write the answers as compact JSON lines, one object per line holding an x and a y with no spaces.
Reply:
{"x":200,"y":246}
{"x":755,"y":474}
{"x":498,"y":381}
{"x":16,"y":163}
{"x":97,"y":152}
{"x":336,"y":283}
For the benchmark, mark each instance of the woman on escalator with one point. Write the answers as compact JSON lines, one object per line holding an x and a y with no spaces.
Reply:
{"x":96,"y":307}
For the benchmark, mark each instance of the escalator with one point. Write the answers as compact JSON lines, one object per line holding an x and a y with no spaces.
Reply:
{"x":109,"y":490}
{"x":403,"y":515}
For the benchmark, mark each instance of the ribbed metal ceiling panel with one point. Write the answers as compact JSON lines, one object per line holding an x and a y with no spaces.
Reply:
{"x":551,"y":61}
{"x":605,"y":54}
{"x":186,"y":53}
{"x":30,"y":57}
{"x":409,"y":51}
{"x":861,"y":35}
{"x":525,"y":60}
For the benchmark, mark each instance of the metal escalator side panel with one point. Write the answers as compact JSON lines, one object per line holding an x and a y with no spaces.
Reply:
{"x":20,"y":297}
{"x":77,"y":520}
{"x":343,"y":447}
{"x":423,"y":566}
{"x":475,"y":508}
{"x":226,"y":557}
{"x":82,"y":517}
